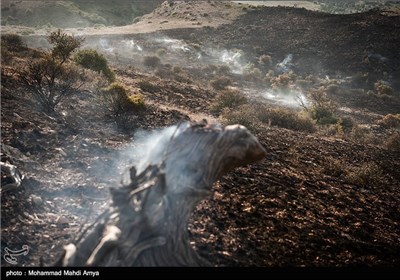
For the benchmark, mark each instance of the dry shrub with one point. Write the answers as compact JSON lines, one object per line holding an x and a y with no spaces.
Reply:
{"x":223,"y":70}
{"x":393,"y":143}
{"x":227,"y":99}
{"x":221,"y":83}
{"x":151,"y":61}
{"x":283,"y":81}
{"x":252,"y":74}
{"x":361,"y":134}
{"x":12,"y":42}
{"x":303,"y":84}
{"x":285,"y":118}
{"x":161,"y":52}
{"x":333,"y":167}
{"x":265,"y":60}
{"x":243,"y":115}
{"x":148,"y":86}
{"x":345,"y":125}
{"x":390,"y":121}
{"x":369,"y":174}
{"x":383,"y":88}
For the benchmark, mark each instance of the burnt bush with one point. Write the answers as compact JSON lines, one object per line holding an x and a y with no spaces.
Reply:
{"x":52,"y":78}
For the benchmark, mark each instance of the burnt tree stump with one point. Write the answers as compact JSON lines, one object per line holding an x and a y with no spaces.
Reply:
{"x":148,"y":220}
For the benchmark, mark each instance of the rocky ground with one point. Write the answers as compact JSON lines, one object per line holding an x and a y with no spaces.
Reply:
{"x":315,"y":200}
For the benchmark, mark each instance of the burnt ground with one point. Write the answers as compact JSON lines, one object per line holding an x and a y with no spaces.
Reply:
{"x":297,"y":207}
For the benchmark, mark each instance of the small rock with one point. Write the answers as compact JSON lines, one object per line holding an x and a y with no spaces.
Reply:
{"x":36,"y":200}
{"x":62,"y":221}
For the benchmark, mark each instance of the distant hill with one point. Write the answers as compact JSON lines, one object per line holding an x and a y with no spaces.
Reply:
{"x":76,"y":13}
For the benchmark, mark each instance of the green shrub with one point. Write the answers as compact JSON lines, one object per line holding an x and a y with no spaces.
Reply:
{"x":322,"y":115}
{"x":227,"y":99}
{"x":221,"y":83}
{"x":91,"y":59}
{"x":151,"y":61}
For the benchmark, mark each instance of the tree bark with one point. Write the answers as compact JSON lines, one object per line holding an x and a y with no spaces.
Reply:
{"x":148,"y":220}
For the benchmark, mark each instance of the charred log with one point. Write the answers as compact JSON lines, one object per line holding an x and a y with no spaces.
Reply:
{"x":147,"y":223}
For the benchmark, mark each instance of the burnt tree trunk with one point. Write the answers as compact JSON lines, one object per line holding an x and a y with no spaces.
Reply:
{"x":147,"y":223}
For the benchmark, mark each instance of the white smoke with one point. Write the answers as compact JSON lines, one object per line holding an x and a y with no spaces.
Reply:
{"x":104,"y":44}
{"x":132,"y":45}
{"x":147,"y":148}
{"x":285,"y":65}
{"x":292,"y":98}
{"x":174,"y":44}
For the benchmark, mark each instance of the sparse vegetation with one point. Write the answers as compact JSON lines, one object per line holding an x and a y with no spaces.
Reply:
{"x":91,"y":59}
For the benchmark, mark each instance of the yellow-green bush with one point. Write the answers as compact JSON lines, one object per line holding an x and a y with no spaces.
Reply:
{"x":117,"y":100}
{"x":285,"y":118}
